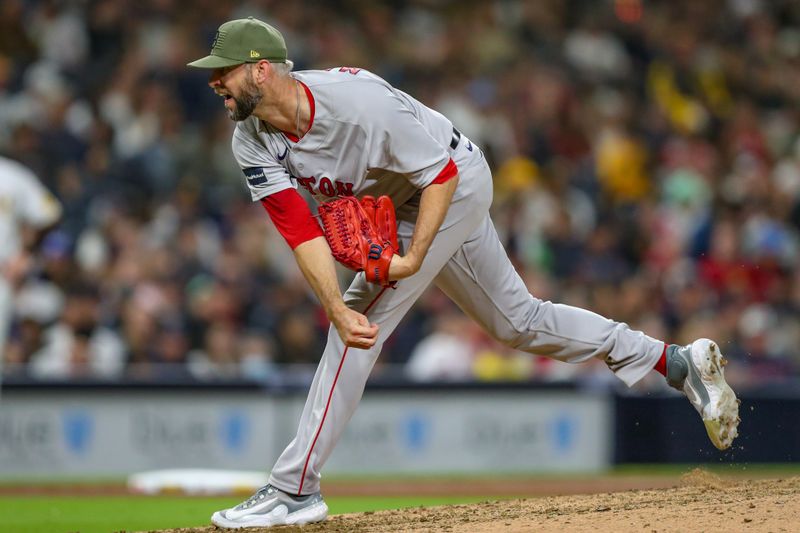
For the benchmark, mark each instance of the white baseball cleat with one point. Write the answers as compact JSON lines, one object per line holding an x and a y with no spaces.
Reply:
{"x":697,"y":370}
{"x":272,"y":507}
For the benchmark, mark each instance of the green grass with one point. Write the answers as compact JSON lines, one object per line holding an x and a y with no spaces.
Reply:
{"x":46,"y":514}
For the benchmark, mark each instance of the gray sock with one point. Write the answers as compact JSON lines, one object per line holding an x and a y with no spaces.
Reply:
{"x":677,"y":367}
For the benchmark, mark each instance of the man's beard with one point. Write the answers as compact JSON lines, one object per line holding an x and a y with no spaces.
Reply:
{"x":247,"y":102}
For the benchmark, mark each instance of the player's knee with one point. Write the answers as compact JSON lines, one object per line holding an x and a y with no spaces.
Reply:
{"x":516,"y":331}
{"x":511,"y":336}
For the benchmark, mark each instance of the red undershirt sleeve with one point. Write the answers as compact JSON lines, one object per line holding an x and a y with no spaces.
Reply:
{"x":448,"y":172}
{"x":291,"y":215}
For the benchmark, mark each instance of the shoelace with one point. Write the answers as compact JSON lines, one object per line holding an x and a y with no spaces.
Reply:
{"x":257,"y":497}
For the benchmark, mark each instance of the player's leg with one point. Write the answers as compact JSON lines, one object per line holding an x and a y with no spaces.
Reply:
{"x":482,"y":281}
{"x":339,"y":382}
{"x":342,"y":372}
{"x":333,"y":397}
{"x":337,"y":387}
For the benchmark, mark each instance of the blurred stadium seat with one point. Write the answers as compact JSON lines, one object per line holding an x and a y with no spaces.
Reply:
{"x":646,"y":157}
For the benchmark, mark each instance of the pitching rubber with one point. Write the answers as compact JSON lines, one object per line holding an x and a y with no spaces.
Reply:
{"x":278,"y":517}
{"x":721,"y":414}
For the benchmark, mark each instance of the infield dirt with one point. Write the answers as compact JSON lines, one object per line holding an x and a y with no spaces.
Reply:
{"x":701,"y":502}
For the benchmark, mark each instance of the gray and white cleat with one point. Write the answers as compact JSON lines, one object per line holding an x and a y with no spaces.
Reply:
{"x":697,"y":370}
{"x":272,"y":507}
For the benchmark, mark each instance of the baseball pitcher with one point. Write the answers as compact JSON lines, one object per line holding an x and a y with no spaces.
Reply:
{"x":358,"y":145}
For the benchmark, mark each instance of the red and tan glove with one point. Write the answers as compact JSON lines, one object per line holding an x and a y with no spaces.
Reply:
{"x":356,"y":240}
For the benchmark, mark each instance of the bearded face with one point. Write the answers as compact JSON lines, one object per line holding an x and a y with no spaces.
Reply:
{"x":247,"y":100}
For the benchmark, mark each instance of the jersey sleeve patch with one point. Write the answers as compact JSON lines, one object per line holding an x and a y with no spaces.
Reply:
{"x":263,"y":174}
{"x":256,"y":177}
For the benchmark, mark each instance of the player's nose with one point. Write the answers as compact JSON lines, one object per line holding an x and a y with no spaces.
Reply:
{"x":214,"y":78}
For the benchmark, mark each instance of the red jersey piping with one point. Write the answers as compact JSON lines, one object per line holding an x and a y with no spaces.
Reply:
{"x":449,"y":172}
{"x":312,"y":106}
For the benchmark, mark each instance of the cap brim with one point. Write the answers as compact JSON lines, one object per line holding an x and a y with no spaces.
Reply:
{"x":214,"y":62}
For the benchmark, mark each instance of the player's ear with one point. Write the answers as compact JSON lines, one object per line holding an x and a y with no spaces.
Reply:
{"x":262,"y":70}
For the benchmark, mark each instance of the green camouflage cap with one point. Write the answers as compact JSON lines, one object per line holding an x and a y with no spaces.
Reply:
{"x":243,"y":41}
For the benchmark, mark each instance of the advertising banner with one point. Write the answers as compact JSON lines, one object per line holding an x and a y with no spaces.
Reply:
{"x":476,"y":432}
{"x":128,"y":432}
{"x":55,"y":434}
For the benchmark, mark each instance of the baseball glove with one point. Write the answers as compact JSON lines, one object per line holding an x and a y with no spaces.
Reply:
{"x":361,"y":237}
{"x":381,"y":212}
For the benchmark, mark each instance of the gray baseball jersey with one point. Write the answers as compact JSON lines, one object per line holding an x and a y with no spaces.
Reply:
{"x":370,"y":138}
{"x":366,"y":137}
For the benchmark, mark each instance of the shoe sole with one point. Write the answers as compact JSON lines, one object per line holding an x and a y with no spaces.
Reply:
{"x":721,"y":413}
{"x":308,"y":515}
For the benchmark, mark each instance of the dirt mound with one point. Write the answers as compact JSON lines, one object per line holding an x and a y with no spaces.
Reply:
{"x":703,"y":479}
{"x":704,"y":502}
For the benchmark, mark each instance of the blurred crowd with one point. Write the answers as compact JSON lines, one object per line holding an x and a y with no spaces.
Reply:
{"x":646,"y":156}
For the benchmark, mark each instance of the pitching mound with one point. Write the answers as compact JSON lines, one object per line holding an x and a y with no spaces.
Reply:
{"x":703,"y":502}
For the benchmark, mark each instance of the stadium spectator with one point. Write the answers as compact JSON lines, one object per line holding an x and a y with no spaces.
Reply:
{"x":647,"y":165}
{"x":27,"y":211}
